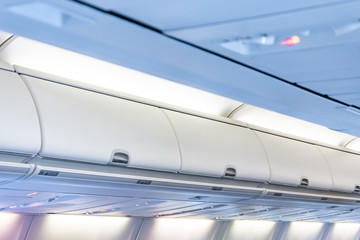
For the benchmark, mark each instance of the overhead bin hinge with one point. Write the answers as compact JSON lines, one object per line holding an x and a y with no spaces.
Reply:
{"x":230,"y":172}
{"x":120,"y":158}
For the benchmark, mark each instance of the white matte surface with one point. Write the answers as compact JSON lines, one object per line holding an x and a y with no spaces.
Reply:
{"x":208,"y":147}
{"x":344,"y":167}
{"x":6,"y":66}
{"x":87,"y":126}
{"x":291,"y":160}
{"x":19,"y":123}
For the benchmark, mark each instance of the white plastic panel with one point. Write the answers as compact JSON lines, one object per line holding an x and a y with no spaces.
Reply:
{"x":209,"y":147}
{"x":19,"y":123}
{"x":344,"y":168}
{"x":4,"y":36}
{"x":291,"y":161}
{"x":60,"y":227}
{"x":87,"y":126}
{"x":249,"y":230}
{"x":6,"y":66}
{"x":178,"y":229}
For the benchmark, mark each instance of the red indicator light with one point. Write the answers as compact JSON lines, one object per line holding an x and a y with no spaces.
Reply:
{"x":291,"y":41}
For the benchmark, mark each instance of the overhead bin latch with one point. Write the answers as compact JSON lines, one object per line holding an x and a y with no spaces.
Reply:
{"x":120,"y":158}
{"x":304,"y":182}
{"x":230,"y":172}
{"x":357,"y":189}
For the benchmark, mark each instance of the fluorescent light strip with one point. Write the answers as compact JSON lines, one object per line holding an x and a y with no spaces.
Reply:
{"x":49,"y":59}
{"x":282,"y":123}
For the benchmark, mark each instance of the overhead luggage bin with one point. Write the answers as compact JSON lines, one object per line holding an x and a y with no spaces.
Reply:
{"x":344,"y":167}
{"x":295,"y":163}
{"x":86,"y":126}
{"x":19,"y":122}
{"x":219,"y":149}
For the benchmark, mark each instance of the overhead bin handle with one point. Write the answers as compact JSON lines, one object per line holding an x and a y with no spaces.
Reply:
{"x":230,"y":172}
{"x":120,"y":158}
{"x":357,"y":189}
{"x":304,"y":182}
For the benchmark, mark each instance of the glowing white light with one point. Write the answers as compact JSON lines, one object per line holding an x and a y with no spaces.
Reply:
{"x":11,"y":225}
{"x":289,"y":125}
{"x":344,"y":231}
{"x":49,"y":59}
{"x":178,"y":229}
{"x":57,"y":227}
{"x":304,"y":230}
{"x":248,"y":229}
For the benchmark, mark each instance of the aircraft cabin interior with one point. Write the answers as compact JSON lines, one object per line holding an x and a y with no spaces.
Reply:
{"x":179,"y":120}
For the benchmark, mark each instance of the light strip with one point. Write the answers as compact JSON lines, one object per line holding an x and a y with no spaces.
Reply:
{"x":49,"y":59}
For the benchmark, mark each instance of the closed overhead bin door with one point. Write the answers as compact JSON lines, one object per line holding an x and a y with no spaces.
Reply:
{"x":345,"y":169}
{"x":19,"y":122}
{"x":295,"y":163}
{"x":210,"y":147}
{"x":86,"y":126}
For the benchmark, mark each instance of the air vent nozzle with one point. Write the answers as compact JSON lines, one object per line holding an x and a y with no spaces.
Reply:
{"x":120,"y":158}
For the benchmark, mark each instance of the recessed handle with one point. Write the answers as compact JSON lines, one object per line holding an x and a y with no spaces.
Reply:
{"x":230,"y":172}
{"x":120,"y":158}
{"x":304,"y":182}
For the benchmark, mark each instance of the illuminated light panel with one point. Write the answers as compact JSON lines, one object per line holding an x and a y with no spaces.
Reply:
{"x":177,"y":229}
{"x":289,"y":125}
{"x":12,"y":207}
{"x":58,"y":227}
{"x":251,"y":229}
{"x":60,"y":62}
{"x":12,"y":225}
{"x":291,"y":41}
{"x":344,"y":231}
{"x":307,"y":230}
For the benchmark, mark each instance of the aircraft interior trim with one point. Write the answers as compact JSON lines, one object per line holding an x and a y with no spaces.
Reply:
{"x":104,"y":137}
